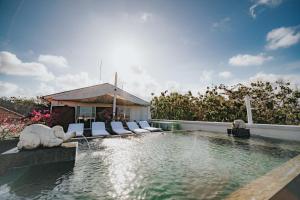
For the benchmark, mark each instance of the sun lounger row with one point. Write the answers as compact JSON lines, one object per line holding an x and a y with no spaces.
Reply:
{"x":98,"y":128}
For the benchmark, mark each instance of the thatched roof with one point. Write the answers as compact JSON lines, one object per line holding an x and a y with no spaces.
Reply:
{"x":102,"y":93}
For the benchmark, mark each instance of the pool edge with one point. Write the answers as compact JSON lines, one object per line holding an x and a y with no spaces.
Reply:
{"x":268,"y":185}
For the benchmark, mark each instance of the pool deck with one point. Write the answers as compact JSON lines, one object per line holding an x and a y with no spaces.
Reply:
{"x":278,"y":183}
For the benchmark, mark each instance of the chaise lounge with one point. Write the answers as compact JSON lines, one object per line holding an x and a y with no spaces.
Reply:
{"x":118,"y":128}
{"x":98,"y":128}
{"x":77,"y":128}
{"x":135,"y":128}
{"x":145,"y":125}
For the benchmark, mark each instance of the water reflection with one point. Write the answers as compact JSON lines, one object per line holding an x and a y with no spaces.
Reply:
{"x":122,"y":166}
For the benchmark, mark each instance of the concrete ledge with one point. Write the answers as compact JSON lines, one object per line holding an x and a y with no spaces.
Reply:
{"x":282,"y":132}
{"x":270,"y":184}
{"x":14,"y":158}
{"x":290,"y":191}
{"x":8,"y":144}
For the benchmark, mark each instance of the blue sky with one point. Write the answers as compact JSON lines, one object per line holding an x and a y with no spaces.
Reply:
{"x":50,"y":46}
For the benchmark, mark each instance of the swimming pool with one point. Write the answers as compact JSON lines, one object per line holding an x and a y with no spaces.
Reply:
{"x":182,"y":165}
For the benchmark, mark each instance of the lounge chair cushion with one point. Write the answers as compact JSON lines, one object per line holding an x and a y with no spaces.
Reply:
{"x":152,"y":129}
{"x":135,"y":128}
{"x":140,"y":130}
{"x":98,"y":128}
{"x":118,"y":128}
{"x":78,"y":128}
{"x":145,"y":125}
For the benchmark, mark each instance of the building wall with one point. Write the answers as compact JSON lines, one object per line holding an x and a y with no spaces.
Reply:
{"x":5,"y":114}
{"x":137,"y":113}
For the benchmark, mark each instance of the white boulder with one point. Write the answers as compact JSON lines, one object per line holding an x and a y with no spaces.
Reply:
{"x":239,"y":124}
{"x":36,"y":135}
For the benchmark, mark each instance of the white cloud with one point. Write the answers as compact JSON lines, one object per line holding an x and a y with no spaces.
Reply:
{"x":293,"y":65}
{"x":142,"y":84}
{"x":9,"y":89}
{"x":206,"y":75}
{"x":282,"y":38}
{"x":145,"y":16}
{"x":225,"y":74}
{"x":249,"y":60}
{"x":44,"y":89}
{"x":258,"y":3}
{"x":59,"y":84}
{"x":173,"y":86}
{"x":73,"y":81}
{"x":137,"y":69}
{"x":189,"y":41}
{"x":65,"y":82}
{"x":223,"y":24}
{"x":139,"y":17}
{"x":261,"y":76}
{"x":55,"y":61}
{"x":139,"y":82}
{"x":11,"y":65}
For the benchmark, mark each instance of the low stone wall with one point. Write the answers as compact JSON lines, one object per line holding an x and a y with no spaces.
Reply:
{"x":290,"y":191}
{"x":283,"y":132}
{"x":8,"y":144}
{"x":15,"y":158}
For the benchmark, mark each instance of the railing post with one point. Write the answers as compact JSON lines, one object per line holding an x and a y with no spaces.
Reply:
{"x":249,"y":111}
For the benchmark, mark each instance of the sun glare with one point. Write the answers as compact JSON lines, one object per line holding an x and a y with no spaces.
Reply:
{"x":125,"y":54}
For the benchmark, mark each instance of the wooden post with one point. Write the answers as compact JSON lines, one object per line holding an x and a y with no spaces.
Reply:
{"x":115,"y":96}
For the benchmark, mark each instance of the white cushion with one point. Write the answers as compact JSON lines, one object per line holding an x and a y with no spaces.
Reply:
{"x":78,"y":128}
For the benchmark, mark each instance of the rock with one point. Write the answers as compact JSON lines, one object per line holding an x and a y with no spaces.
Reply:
{"x":239,"y":124}
{"x":36,"y":135}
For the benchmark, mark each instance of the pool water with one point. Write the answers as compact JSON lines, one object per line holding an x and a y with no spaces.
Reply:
{"x":151,"y":166}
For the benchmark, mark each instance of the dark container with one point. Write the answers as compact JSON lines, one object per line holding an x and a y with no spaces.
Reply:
{"x":239,"y":132}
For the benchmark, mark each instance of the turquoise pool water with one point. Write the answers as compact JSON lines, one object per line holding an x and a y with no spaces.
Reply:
{"x":191,"y":165}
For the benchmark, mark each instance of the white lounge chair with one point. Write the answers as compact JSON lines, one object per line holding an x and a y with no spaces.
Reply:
{"x":145,"y":125}
{"x":118,"y":128}
{"x":78,"y":128}
{"x":135,"y":128}
{"x":98,"y":128}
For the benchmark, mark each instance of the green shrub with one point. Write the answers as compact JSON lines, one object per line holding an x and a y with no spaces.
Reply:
{"x":272,"y":103}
